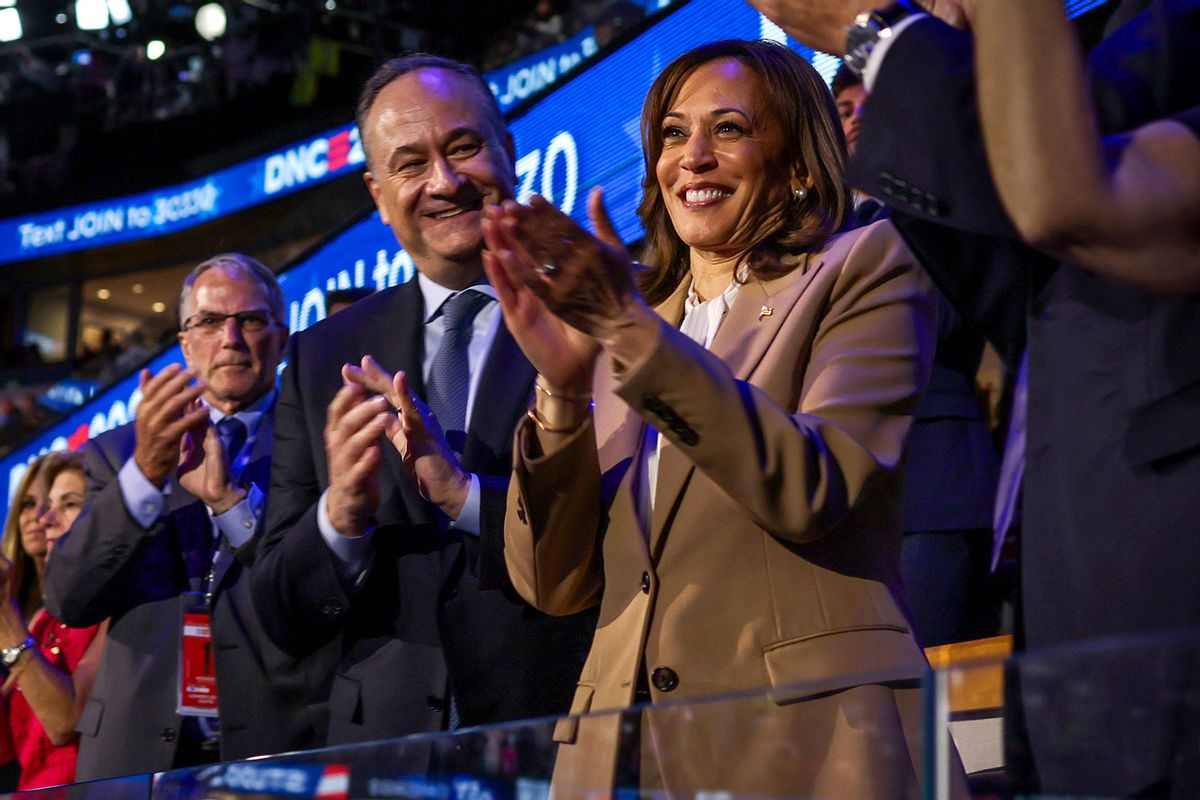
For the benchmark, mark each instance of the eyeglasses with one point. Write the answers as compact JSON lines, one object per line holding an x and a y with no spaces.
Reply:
{"x":210,"y":323}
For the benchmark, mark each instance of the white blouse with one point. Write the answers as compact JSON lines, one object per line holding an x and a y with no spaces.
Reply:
{"x":701,"y":319}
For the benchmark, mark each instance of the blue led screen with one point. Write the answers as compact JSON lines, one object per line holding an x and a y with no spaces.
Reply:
{"x":584,"y":133}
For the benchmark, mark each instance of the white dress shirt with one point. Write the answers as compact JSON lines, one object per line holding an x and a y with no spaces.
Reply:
{"x":701,"y":320}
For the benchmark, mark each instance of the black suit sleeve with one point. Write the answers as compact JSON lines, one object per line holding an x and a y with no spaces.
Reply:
{"x":921,"y":147}
{"x":921,"y":150}
{"x":297,"y":591}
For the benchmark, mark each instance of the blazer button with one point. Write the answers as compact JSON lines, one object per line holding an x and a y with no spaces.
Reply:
{"x":435,"y":703}
{"x":646,"y":582}
{"x":167,"y":735}
{"x":664,"y":679}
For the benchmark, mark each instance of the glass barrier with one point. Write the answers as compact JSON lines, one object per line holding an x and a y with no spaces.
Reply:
{"x":1109,"y":718}
{"x":849,"y":738}
{"x":1105,"y":719}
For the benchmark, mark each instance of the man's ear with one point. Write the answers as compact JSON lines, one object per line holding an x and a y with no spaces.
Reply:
{"x":373,"y":188}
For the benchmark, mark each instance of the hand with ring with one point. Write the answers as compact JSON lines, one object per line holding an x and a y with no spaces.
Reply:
{"x":416,"y":434}
{"x":556,"y":283}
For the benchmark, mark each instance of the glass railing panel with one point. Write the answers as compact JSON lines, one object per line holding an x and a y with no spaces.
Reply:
{"x":132,"y":787}
{"x":863,"y":737}
{"x":1111,"y":718}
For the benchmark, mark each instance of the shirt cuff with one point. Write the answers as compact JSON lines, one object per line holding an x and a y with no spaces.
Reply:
{"x":875,"y":59}
{"x":239,"y":522}
{"x":143,"y":499}
{"x":468,"y":518}
{"x":351,"y":551}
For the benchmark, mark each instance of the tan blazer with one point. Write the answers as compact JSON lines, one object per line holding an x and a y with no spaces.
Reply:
{"x":772,"y":557}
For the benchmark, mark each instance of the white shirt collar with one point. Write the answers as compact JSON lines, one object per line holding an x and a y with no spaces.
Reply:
{"x":434,"y":294}
{"x":251,"y":415}
{"x":702,"y":318}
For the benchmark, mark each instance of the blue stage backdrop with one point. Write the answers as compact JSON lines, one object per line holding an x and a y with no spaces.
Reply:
{"x":583,"y":133}
{"x":259,"y":180}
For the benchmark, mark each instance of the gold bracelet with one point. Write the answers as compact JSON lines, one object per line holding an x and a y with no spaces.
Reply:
{"x":574,"y":398}
{"x":544,"y":427}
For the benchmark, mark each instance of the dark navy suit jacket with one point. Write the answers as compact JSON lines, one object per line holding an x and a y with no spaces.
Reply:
{"x":435,"y":609}
{"x":1113,"y":440}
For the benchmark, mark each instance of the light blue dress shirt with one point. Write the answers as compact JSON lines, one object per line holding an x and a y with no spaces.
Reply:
{"x":145,"y":500}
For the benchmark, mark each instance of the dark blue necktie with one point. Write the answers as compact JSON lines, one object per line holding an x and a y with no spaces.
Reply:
{"x":449,"y":374}
{"x":232,"y":432}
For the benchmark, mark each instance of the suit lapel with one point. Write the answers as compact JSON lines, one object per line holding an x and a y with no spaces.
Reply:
{"x":750,"y":326}
{"x":189,"y":528}
{"x":192,"y":529}
{"x":756,"y":317}
{"x":257,"y":472}
{"x":395,"y":336}
{"x":619,"y":432}
{"x":502,"y":396}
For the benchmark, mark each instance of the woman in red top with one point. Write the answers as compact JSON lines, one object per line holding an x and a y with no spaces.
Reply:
{"x":51,"y":668}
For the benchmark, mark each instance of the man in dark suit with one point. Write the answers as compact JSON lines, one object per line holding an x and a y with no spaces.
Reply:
{"x":171,"y":516}
{"x":950,"y":469}
{"x":392,"y":548}
{"x":1112,"y":454}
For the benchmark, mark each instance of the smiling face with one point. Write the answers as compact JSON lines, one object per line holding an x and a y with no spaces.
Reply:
{"x":436,"y":160}
{"x":64,"y":499}
{"x":239,"y":366}
{"x":720,"y":170}
{"x":32,"y":505}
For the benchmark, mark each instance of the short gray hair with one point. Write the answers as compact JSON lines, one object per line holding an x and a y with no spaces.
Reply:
{"x":243,"y":266}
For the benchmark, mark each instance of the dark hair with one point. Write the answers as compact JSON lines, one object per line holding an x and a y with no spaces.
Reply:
{"x":396,"y":67}
{"x":243,"y":266}
{"x":813,"y":146}
{"x":347,"y":296}
{"x":845,"y":78}
{"x":25,"y":585}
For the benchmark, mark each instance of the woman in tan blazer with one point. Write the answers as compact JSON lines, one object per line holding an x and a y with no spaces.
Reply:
{"x":731,"y":497}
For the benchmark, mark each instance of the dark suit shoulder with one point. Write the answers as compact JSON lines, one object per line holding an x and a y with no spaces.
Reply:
{"x":115,"y":445}
{"x":349,"y":326}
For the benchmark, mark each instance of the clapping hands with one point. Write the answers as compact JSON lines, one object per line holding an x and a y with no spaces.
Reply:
{"x":416,"y":434}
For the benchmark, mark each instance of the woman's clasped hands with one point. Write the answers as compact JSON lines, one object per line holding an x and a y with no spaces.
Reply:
{"x":564,"y":292}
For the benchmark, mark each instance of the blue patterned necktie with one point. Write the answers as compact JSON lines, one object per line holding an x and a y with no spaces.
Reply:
{"x":449,"y":375}
{"x":232,"y":433}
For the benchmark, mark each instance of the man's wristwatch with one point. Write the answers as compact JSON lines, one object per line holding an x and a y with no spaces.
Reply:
{"x":9,"y":655}
{"x":868,"y":28}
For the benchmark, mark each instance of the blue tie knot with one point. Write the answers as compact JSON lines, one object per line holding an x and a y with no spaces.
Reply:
{"x":232,"y":432}
{"x":459,"y":311}
{"x":449,"y":374}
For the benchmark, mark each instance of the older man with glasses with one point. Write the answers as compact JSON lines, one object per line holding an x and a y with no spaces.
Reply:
{"x":164,"y":543}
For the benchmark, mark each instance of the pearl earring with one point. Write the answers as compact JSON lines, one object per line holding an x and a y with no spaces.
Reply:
{"x":799,"y":194}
